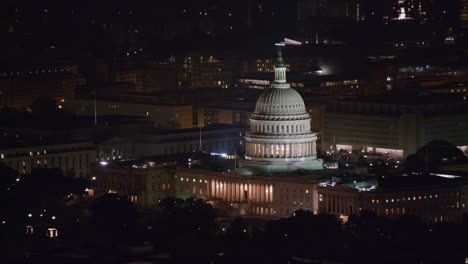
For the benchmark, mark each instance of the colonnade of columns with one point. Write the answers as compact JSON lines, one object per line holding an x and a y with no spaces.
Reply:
{"x":280,"y":129}
{"x":282,"y":150}
{"x":241,"y":192}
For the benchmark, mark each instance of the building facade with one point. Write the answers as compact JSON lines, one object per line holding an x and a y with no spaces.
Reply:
{"x":240,"y":196}
{"x":396,"y":128}
{"x":211,"y":139}
{"x":432,"y":203}
{"x":163,"y":115}
{"x":74,"y":159}
{"x":19,"y":89}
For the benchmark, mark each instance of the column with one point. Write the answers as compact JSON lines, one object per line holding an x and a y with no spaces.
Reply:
{"x":271,"y":193}
{"x":254,"y":192}
{"x":235,"y":191}
{"x":241,"y":192}
{"x":225,"y":189}
{"x":260,"y":187}
{"x":228,"y":191}
{"x":259,"y":192}
{"x":262,"y":198}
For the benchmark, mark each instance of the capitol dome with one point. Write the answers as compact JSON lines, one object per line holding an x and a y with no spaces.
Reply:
{"x":280,"y":101}
{"x":280,"y":137}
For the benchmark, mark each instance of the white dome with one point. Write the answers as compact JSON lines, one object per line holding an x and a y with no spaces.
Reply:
{"x":280,"y":102}
{"x":280,"y":137}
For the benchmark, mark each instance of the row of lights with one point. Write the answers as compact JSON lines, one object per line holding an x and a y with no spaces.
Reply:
{"x":32,"y":72}
{"x":404,"y":199}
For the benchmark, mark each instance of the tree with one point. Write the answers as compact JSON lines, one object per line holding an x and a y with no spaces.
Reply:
{"x":186,"y":228}
{"x":305,"y":235}
{"x":433,"y":155}
{"x":113,"y":217}
{"x":7,"y":177}
{"x":44,"y":107}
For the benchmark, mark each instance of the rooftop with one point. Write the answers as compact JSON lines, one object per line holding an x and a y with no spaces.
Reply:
{"x":410,"y":99}
{"x":62,"y":121}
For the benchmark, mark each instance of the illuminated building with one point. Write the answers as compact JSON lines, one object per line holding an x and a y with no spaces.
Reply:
{"x":464,"y":14}
{"x":225,"y":112}
{"x":274,"y":196}
{"x":19,"y":89}
{"x":144,"y":185}
{"x":74,"y":159}
{"x":280,"y":137}
{"x":163,"y":115}
{"x":200,"y":70}
{"x":395,"y":126}
{"x":433,"y":199}
{"x":212,"y":139}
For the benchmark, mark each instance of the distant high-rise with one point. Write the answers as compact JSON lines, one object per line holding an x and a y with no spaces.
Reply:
{"x":464,"y":14}
{"x":324,"y":8}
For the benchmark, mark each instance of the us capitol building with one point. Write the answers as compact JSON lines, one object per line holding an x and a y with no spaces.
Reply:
{"x":280,"y":138}
{"x":280,"y":174}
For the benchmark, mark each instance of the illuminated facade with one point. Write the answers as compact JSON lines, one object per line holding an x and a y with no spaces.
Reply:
{"x":212,"y":139}
{"x":464,"y":14}
{"x":433,"y":203}
{"x":395,"y":127}
{"x":163,"y":115}
{"x":73,"y":159}
{"x":229,"y":191}
{"x":280,"y":137}
{"x":19,"y":89}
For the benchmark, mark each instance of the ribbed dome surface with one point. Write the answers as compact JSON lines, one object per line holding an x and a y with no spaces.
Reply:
{"x":280,"y":101}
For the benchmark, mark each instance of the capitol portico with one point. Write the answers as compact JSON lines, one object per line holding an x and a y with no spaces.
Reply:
{"x":280,"y":138}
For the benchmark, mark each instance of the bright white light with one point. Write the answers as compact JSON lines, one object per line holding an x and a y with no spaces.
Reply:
{"x":448,"y":176}
{"x":103,"y":163}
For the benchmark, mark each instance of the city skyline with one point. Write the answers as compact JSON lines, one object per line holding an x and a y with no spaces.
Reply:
{"x":222,"y":131}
